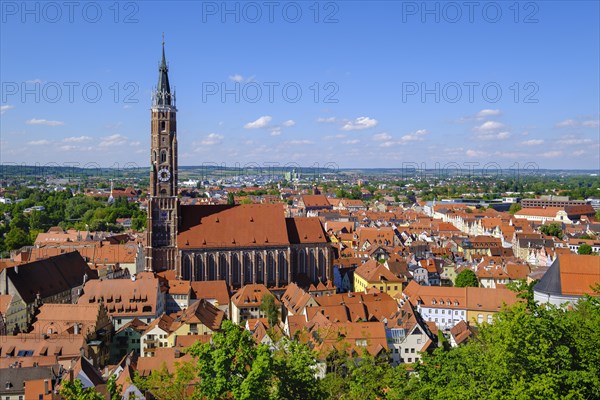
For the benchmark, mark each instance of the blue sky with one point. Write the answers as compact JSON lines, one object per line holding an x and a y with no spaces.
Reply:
{"x":501,"y":84}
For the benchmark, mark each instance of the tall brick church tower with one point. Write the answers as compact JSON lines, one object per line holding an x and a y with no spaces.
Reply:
{"x":163,"y":205}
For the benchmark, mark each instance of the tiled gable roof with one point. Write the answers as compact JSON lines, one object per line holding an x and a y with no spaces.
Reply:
{"x":203,"y":312}
{"x":305,"y":230}
{"x":124,"y":297}
{"x":373,"y":271}
{"x":246,"y":225}
{"x":251,"y":296}
{"x":315,"y":201}
{"x":50,"y":276}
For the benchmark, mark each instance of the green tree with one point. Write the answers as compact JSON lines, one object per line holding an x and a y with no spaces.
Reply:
{"x":19,"y":221}
{"x":269,"y":308}
{"x":466,"y":278}
{"x":233,"y":366}
{"x":442,"y":341}
{"x":529,"y":352}
{"x":230,"y":199}
{"x":75,"y":390}
{"x":584,"y":249}
{"x":165,"y":385}
{"x":225,"y":363}
{"x":553,"y":229}
{"x":514,"y":208}
{"x":294,"y":367}
{"x":17,"y":238}
{"x":374,"y":378}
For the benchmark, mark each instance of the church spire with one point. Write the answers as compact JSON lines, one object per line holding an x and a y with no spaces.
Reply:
{"x":162,"y":95}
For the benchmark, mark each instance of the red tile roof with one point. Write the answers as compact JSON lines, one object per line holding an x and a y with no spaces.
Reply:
{"x":578,"y":273}
{"x":246,"y":225}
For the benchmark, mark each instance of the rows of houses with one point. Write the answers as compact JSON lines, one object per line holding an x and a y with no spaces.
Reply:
{"x":79,"y":306}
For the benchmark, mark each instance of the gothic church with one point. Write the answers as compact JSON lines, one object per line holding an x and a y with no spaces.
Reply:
{"x":240,"y":244}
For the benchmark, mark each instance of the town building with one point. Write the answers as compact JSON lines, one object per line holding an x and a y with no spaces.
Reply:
{"x":57,"y":279}
{"x":244,"y":244}
{"x":140,"y":297}
{"x":373,"y":274}
{"x":551,"y":201}
{"x":570,"y":277}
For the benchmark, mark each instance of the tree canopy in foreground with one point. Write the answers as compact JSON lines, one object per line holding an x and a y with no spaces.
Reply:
{"x":529,"y":352}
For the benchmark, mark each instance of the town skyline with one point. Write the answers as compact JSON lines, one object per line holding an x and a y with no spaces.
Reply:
{"x":372,"y":110}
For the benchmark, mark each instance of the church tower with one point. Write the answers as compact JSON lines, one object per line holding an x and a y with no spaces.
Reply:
{"x":163,"y":205}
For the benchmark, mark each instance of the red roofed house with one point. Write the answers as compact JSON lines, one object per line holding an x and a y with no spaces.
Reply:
{"x":569,"y":278}
{"x":251,"y":244}
{"x":245,"y":304}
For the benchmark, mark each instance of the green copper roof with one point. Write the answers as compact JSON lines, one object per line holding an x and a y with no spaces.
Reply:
{"x":163,"y":89}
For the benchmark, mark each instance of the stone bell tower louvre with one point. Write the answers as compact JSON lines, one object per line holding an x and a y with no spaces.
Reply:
{"x":240,"y":244}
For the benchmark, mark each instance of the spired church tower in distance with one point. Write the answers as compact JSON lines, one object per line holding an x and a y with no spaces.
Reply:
{"x":163,"y":205}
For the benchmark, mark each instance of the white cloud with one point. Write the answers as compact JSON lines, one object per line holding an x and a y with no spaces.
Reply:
{"x":5,"y":108}
{"x":289,"y":122}
{"x":578,"y":153}
{"x":76,"y":139}
{"x":212,"y":139}
{"x":352,"y":141}
{"x":113,"y":140}
{"x":382,"y":137}
{"x":327,"y":120}
{"x":494,"y":135}
{"x":238,"y":78}
{"x":262,"y":122}
{"x":571,"y":139}
{"x":300,"y":142}
{"x":489,"y":126}
{"x":510,"y":154}
{"x":67,"y":147}
{"x":532,"y":142}
{"x":35,"y":121}
{"x":552,"y":154}
{"x":475,"y":153}
{"x":485,"y":113}
{"x":135,"y":144}
{"x":566,"y":123}
{"x":389,"y":143}
{"x":571,"y":123}
{"x":276,"y":131}
{"x":491,"y":130}
{"x":481,"y":115}
{"x":360,"y":123}
{"x":42,"y":142}
{"x":591,"y":124}
{"x":414,"y":136}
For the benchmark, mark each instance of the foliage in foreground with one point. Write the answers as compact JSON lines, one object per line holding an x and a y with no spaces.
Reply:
{"x":530,"y":352}
{"x":466,"y":278}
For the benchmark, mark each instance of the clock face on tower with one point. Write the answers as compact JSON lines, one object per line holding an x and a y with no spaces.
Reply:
{"x":164,"y":175}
